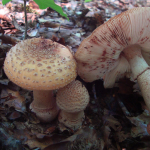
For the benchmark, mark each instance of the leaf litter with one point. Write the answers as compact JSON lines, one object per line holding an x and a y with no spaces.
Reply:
{"x":115,"y":119}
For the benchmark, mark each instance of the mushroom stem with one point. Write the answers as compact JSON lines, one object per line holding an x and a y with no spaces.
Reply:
{"x":72,"y":100}
{"x":43,"y":99}
{"x":44,"y":105}
{"x":140,"y":70}
{"x":71,"y":120}
{"x":144,"y":84}
{"x":137,"y":63}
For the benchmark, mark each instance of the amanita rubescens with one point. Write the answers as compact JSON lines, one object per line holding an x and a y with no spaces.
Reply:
{"x":72,"y":100}
{"x":118,"y":48}
{"x":41,"y":65}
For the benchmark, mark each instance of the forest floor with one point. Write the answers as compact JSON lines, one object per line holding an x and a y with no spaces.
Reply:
{"x":115,"y":119}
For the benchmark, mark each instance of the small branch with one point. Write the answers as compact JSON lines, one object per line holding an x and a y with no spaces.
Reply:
{"x":120,"y":1}
{"x":26,"y":24}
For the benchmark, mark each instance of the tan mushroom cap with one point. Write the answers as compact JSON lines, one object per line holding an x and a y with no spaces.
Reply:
{"x":101,"y":53}
{"x":73,"y":98}
{"x":40,"y":64}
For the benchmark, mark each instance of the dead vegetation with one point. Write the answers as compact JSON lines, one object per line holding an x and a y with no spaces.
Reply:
{"x":115,"y":119}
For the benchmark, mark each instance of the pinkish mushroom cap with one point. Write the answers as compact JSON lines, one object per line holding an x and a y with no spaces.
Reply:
{"x":120,"y":47}
{"x":102,"y":54}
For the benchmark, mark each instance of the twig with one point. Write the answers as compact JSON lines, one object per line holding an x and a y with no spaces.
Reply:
{"x":4,"y":17}
{"x":120,"y":1}
{"x":26,"y":24}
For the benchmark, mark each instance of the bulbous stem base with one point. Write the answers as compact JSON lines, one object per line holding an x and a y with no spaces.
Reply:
{"x":144,"y":84}
{"x":71,"y":120}
{"x":44,"y":105}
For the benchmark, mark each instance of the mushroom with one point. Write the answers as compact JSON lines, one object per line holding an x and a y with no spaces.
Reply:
{"x":118,"y":48}
{"x":41,"y":65}
{"x":72,"y":100}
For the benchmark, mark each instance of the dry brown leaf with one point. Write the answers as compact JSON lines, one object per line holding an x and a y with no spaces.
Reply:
{"x":16,"y":101}
{"x":1,"y":30}
{"x":140,"y":122}
{"x":17,"y":26}
{"x":4,"y":94}
{"x":50,"y":130}
{"x":51,"y":24}
{"x":32,"y":118}
{"x":4,"y":17}
{"x":4,"y":81}
{"x":85,"y":138}
{"x":33,"y":143}
{"x":19,"y":125}
{"x":111,"y":121}
{"x":9,"y":40}
{"x":33,"y":33}
{"x":58,"y":40}
{"x":45,"y":141}
{"x":14,"y":115}
{"x":33,"y":5}
{"x":122,"y":136}
{"x":58,"y":146}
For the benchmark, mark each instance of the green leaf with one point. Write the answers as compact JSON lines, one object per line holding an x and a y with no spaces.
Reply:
{"x":5,"y":1}
{"x":86,"y":1}
{"x":43,"y":4}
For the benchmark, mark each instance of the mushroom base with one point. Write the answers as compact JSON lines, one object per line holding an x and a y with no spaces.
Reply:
{"x":140,"y":70}
{"x":71,"y":120}
{"x":45,"y":115}
{"x":44,"y":105}
{"x":144,"y":84}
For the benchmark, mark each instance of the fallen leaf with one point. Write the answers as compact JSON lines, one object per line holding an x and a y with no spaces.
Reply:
{"x":58,"y":146}
{"x":17,"y":26}
{"x":4,"y":81}
{"x":8,"y":141}
{"x":122,"y":136}
{"x":85,"y":138}
{"x":16,"y":101}
{"x":9,"y":40}
{"x":33,"y":33}
{"x":50,"y":130}
{"x":45,"y":141}
{"x":140,"y":122}
{"x":14,"y":115}
{"x":1,"y":30}
{"x":111,"y":121}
